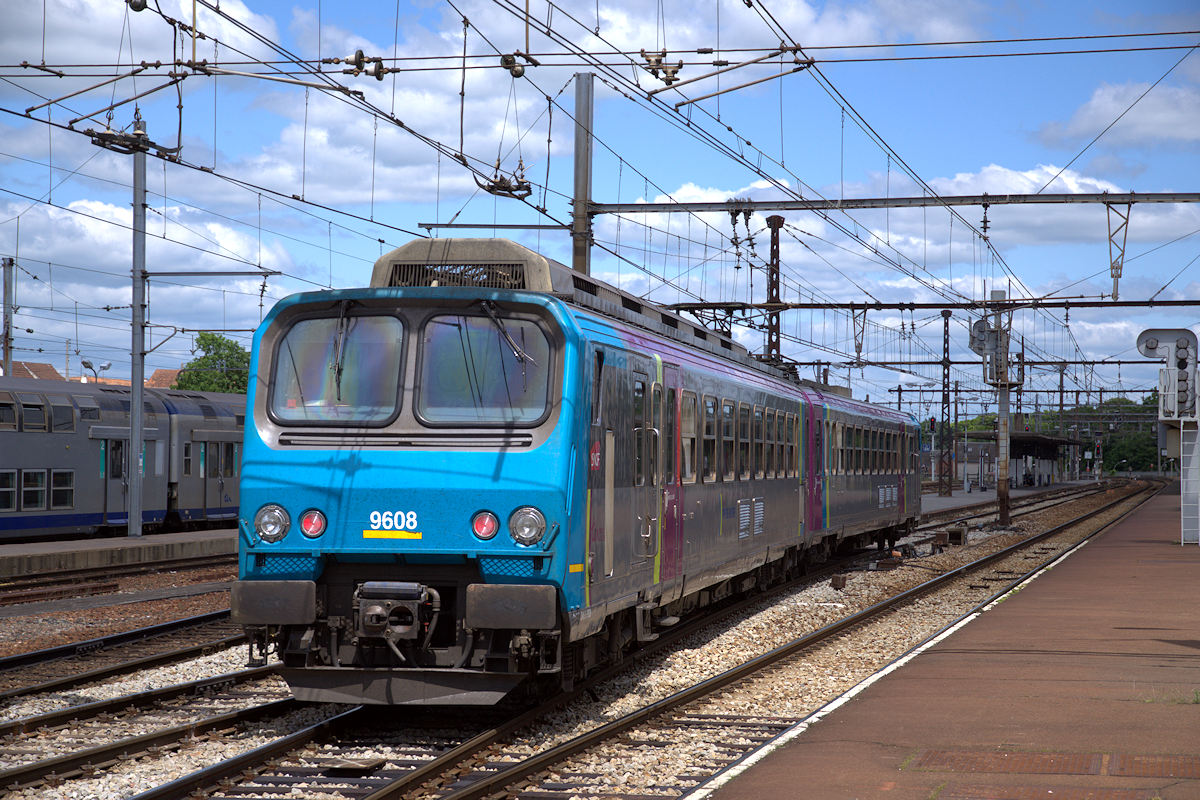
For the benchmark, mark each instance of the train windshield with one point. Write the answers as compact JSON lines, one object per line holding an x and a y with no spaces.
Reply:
{"x":339,"y":370}
{"x":483,"y":370}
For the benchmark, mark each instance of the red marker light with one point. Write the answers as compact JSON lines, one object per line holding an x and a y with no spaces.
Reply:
{"x":484,"y":524}
{"x":312,"y":523}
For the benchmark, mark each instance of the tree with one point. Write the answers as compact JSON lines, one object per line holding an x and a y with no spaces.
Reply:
{"x":224,"y":367}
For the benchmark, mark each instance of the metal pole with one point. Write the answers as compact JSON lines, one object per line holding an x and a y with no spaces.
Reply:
{"x":945,"y":476}
{"x":8,"y":315}
{"x":137,"y":349}
{"x":581,"y":224}
{"x":774,"y":222}
{"x":1002,"y":419}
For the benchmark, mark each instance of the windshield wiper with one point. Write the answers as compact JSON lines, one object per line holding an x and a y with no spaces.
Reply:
{"x":489,"y":308}
{"x":343,"y":326}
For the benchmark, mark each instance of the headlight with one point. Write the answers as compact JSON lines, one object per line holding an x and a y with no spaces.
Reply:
{"x":312,"y":523}
{"x":526,"y":525}
{"x":271,"y":522}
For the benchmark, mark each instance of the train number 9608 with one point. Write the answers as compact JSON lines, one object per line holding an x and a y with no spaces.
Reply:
{"x":394,"y":520}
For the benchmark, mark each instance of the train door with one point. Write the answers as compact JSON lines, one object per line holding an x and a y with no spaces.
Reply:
{"x":646,"y":395}
{"x":815,"y":466}
{"x":218,"y":460}
{"x":670,"y":489}
{"x":602,"y":466}
{"x":116,"y":482}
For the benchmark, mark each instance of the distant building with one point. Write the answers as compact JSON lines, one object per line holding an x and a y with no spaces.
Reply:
{"x":163,"y":378}
{"x":34,"y":369}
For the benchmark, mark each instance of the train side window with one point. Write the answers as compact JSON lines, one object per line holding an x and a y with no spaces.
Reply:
{"x":597,"y":386}
{"x":874,"y":451}
{"x":116,"y":459}
{"x":639,"y":432}
{"x":8,"y":490}
{"x":789,"y":448}
{"x":227,"y":461}
{"x":668,"y":439}
{"x":857,"y":442}
{"x":63,"y":418}
{"x":33,"y":413}
{"x":212,"y":457}
{"x":62,"y":488}
{"x":709,"y":446}
{"x":33,"y":490}
{"x":727,"y":440}
{"x":87,"y":407}
{"x":687,"y":439}
{"x":8,"y":412}
{"x":655,"y":441}
{"x":187,"y":459}
{"x":743,"y":454}
{"x":769,"y":443}
{"x":758,"y":465}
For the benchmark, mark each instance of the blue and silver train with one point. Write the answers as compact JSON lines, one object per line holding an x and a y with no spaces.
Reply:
{"x":65,"y":458}
{"x":487,"y":471}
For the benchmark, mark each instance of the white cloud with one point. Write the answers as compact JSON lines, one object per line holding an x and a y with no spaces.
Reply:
{"x":1167,"y":115}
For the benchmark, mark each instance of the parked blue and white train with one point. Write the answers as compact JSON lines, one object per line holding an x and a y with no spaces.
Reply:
{"x":489,"y":471}
{"x":65,"y":458}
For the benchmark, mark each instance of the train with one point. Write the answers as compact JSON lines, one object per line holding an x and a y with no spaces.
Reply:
{"x":486,"y":475}
{"x":65,"y":458}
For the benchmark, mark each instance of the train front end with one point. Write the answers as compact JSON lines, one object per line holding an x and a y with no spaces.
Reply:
{"x":407,"y":492}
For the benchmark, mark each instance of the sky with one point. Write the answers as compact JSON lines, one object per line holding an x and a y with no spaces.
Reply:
{"x":314,"y":182}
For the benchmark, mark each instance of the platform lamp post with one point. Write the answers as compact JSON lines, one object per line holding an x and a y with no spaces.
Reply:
{"x":95,"y":370}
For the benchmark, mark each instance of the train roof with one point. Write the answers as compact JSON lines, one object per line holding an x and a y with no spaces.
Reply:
{"x":504,"y":264}
{"x":48,"y":386}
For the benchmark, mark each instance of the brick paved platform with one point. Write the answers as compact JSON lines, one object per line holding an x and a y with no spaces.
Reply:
{"x":1085,"y":685}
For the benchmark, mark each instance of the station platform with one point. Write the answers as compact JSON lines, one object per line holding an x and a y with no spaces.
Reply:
{"x":30,"y":558}
{"x":932,"y":502}
{"x":1084,"y":685}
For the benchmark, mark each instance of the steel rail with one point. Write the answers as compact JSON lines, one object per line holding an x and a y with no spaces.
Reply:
{"x":102,"y":755}
{"x":138,"y":700}
{"x":14,"y":582}
{"x":105,"y":642}
{"x":498,"y":780}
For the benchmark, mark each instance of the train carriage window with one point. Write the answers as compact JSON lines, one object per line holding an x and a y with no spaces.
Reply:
{"x":62,"y":488}
{"x":743,"y":448}
{"x":639,"y":432}
{"x":759,"y":465}
{"x":116,"y":459}
{"x":212,"y":453}
{"x":728,"y":442}
{"x":228,"y":463}
{"x":33,"y":412}
{"x":668,"y":439}
{"x":62,"y":417}
{"x":8,"y":490}
{"x":769,"y":443}
{"x":874,"y":451}
{"x":87,"y":407}
{"x":790,"y":447}
{"x":858,"y":443}
{"x":187,"y":459}
{"x":709,"y":446}
{"x":655,"y":441}
{"x":8,"y":412}
{"x":597,"y":386}
{"x":33,"y":490}
{"x":780,"y":446}
{"x":687,"y":439}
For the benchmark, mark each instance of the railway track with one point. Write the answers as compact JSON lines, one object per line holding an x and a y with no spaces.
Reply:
{"x":60,"y":668}
{"x":96,"y":580}
{"x":354,"y":752}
